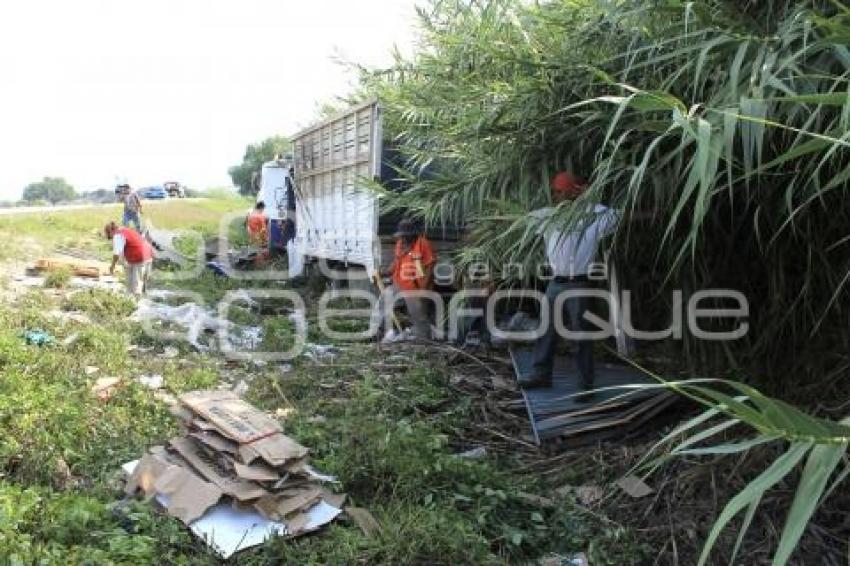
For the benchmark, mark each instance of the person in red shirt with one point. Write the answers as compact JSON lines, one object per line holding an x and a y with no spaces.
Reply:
{"x":257,"y":224}
{"x":137,"y":254}
{"x":413,"y":270}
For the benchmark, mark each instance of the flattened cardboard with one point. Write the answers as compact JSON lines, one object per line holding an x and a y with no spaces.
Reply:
{"x":228,"y":530}
{"x":216,"y":441}
{"x":240,"y":489}
{"x":233,"y":417}
{"x":146,"y":472}
{"x":278,"y":507}
{"x":189,"y":495}
{"x":255,"y":472}
{"x":276,"y":449}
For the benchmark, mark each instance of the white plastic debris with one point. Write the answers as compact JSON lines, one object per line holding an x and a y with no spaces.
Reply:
{"x":155,"y":381}
{"x":192,"y":317}
{"x":474,"y":454}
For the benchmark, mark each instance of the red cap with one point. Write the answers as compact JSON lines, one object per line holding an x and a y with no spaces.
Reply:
{"x":567,"y":184}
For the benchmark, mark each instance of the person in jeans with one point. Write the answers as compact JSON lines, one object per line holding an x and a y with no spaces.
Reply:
{"x":570,"y":255}
{"x":132,"y":208}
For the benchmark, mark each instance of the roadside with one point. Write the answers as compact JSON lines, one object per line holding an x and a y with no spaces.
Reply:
{"x":15,"y":210}
{"x":432,"y":441}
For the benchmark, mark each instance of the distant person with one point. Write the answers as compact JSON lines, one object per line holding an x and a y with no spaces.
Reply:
{"x":137,"y":253}
{"x":413,"y":270}
{"x":257,"y":224}
{"x":132,"y":207}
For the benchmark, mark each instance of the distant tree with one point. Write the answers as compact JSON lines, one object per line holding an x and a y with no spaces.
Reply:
{"x":255,"y":155}
{"x":51,"y":189}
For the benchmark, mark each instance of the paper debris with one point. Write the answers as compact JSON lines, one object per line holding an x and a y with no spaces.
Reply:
{"x":105,"y":387}
{"x":228,"y":530}
{"x":155,"y":381}
{"x":474,"y":454}
{"x":634,"y":486}
{"x":234,"y":478}
{"x":364,"y":519}
{"x":91,"y":370}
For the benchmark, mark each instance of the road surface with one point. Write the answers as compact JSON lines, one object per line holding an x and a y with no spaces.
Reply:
{"x":61,"y":207}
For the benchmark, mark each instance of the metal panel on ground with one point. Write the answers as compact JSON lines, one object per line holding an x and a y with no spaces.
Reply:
{"x":555,"y":413}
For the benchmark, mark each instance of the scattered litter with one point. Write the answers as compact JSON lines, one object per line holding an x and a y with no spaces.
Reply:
{"x":154,"y":381}
{"x":38,"y":337}
{"x":90,"y":370}
{"x":537,"y":500}
{"x":233,"y":451}
{"x":317,"y":352}
{"x":166,"y":397}
{"x":392,"y":336}
{"x":474,"y":454}
{"x":70,"y":339}
{"x":586,"y":494}
{"x":192,"y":317}
{"x":78,"y":266}
{"x":364,"y":519}
{"x":285,"y":368}
{"x":170,"y":352}
{"x":73,"y":316}
{"x":105,"y":387}
{"x":217,"y":268}
{"x":579,"y":559}
{"x":634,"y":486}
{"x":316,"y":419}
{"x":284,"y":413}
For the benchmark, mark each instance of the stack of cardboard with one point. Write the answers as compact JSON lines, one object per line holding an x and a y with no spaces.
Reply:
{"x":230,"y":449}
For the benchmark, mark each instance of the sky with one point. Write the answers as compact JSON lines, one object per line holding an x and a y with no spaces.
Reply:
{"x":156,"y":90}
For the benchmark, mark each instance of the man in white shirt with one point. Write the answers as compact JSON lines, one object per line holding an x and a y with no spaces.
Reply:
{"x":570,"y":255}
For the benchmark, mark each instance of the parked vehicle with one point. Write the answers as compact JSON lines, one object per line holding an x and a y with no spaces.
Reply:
{"x":174,"y":189}
{"x":155,"y":192}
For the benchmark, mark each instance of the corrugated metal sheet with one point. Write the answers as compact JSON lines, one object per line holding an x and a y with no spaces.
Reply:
{"x":554,"y":412}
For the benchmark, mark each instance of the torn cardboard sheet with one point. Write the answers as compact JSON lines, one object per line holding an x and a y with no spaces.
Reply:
{"x":228,"y":530}
{"x":240,"y":489}
{"x":190,"y":495}
{"x":277,"y":449}
{"x":235,"y":418}
{"x":232,"y":454}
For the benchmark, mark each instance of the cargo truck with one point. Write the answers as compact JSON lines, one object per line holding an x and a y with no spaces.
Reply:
{"x":338,"y":219}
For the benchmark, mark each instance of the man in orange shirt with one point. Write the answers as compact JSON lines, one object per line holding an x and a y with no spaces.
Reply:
{"x":258,"y":225}
{"x":413,"y":270}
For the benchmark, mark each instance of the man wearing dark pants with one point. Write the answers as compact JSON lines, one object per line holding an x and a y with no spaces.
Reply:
{"x":570,"y":255}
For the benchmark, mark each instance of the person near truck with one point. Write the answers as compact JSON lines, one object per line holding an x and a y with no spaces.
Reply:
{"x":413,"y":270}
{"x":570,"y":255}
{"x":132,"y":207}
{"x":137,"y":254}
{"x":257,"y":224}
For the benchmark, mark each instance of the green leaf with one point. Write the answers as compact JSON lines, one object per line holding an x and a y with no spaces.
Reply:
{"x":754,"y":491}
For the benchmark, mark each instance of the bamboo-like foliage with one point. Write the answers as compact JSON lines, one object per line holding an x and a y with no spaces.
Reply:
{"x":728,"y":119}
{"x":818,"y":445}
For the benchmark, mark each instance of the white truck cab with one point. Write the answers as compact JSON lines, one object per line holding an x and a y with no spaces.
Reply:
{"x":277,"y":189}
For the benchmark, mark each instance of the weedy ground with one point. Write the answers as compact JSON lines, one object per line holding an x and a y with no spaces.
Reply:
{"x":387,"y":421}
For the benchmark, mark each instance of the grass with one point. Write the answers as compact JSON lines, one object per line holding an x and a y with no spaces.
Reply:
{"x":83,"y":228}
{"x":387,"y":438}
{"x":390,"y":437}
